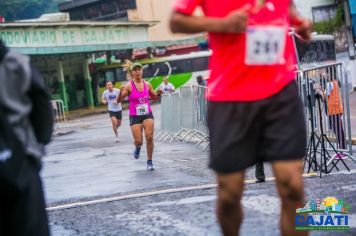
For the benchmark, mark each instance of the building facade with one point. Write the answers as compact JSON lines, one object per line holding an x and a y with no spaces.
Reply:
{"x":317,"y":10}
{"x":64,"y":51}
{"x":126,"y":10}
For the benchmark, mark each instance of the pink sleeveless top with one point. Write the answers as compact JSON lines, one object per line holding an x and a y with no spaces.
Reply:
{"x":139,"y":102}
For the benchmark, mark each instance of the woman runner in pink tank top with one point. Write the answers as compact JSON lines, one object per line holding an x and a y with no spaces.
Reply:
{"x":139,"y":93}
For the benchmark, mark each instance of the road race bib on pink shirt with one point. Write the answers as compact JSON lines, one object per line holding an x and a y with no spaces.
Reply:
{"x":142,"y":109}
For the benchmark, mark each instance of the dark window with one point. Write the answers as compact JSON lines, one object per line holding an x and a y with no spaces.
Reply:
{"x":108,"y":8}
{"x":190,"y":65}
{"x":177,"y":66}
{"x":326,"y":45}
{"x":126,"y":4}
{"x":122,"y":16}
{"x":321,"y":53}
{"x":110,"y":76}
{"x":312,"y":46}
{"x":101,"y":78}
{"x":92,"y":12}
{"x":79,"y":81}
{"x":331,"y":52}
{"x":155,"y":69}
{"x":120,"y":74}
{"x":200,"y":63}
{"x":77,"y":15}
{"x":316,"y":51}
{"x":55,"y":85}
{"x":324,"y":13}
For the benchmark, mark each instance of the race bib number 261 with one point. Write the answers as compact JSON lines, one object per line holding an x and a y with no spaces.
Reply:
{"x":265,"y":45}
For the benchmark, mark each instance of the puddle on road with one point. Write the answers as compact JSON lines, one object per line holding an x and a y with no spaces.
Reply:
{"x":262,"y":203}
{"x":60,"y":230}
{"x":349,"y":187}
{"x":156,"y":222}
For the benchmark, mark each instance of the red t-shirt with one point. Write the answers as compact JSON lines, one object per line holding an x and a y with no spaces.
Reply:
{"x":234,"y":77}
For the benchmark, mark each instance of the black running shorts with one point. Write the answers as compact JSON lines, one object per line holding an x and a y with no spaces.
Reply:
{"x":134,"y":120}
{"x":244,"y":133}
{"x":117,"y":114}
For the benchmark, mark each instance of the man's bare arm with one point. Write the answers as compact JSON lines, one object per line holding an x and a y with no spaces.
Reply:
{"x":124,"y":92}
{"x":153,"y":95}
{"x":103,"y":100}
{"x":303,"y":27}
{"x":119,"y":98}
{"x":235,"y":22}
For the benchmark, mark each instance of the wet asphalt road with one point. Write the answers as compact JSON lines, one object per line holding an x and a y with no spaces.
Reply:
{"x":85,"y":164}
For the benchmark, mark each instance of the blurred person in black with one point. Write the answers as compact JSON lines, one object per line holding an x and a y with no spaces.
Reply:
{"x":24,"y":103}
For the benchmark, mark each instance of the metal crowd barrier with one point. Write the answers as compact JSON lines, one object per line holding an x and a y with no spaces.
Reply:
{"x":324,"y":90}
{"x":325,"y":95}
{"x":59,"y":114}
{"x":183,"y":116}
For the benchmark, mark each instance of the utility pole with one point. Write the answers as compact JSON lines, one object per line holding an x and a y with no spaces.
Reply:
{"x":351,"y":43}
{"x":350,"y":36}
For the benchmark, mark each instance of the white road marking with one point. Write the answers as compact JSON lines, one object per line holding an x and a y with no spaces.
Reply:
{"x":131,"y":196}
{"x":151,"y":193}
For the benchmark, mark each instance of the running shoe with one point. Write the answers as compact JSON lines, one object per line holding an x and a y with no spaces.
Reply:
{"x":136,"y":152}
{"x":116,"y":140}
{"x":150,"y":165}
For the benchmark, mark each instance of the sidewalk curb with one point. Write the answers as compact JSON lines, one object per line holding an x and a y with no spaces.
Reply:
{"x":87,"y":114}
{"x":76,"y":114}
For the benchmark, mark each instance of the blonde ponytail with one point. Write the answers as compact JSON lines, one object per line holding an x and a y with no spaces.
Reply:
{"x":127,"y":67}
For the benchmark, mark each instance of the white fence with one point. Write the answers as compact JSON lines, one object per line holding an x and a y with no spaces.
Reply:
{"x":59,"y":114}
{"x":324,"y":90}
{"x":183,"y":116}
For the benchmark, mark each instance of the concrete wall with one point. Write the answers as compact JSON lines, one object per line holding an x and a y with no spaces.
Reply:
{"x":155,"y":10}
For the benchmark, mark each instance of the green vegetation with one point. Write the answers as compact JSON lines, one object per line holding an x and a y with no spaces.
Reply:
{"x":177,"y":80}
{"x":330,"y":26}
{"x":27,"y":9}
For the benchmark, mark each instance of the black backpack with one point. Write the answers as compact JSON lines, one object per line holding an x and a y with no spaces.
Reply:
{"x":14,"y":165}
{"x":41,"y":116}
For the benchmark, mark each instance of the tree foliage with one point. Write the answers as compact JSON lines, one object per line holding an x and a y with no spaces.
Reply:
{"x":26,"y":9}
{"x":330,"y":26}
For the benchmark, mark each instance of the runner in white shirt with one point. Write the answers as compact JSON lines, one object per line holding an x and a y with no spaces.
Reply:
{"x":110,"y":97}
{"x":166,"y":87}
